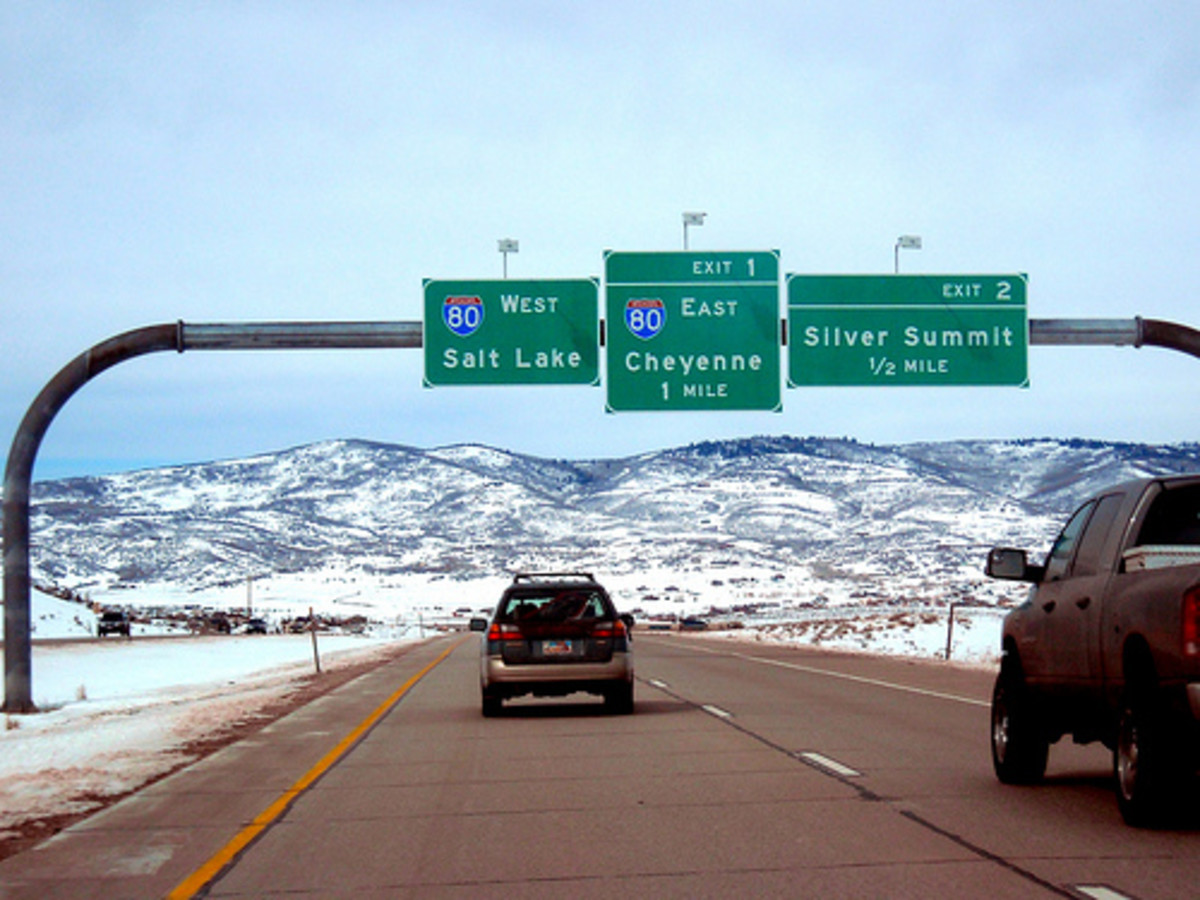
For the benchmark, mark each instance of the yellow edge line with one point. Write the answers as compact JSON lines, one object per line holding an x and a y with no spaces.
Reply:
{"x":199,"y":879}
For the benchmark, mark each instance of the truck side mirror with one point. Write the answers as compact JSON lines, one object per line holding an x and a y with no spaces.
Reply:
{"x":1011,"y":565}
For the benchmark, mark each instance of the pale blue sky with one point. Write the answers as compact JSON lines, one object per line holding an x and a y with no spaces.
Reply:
{"x":278,"y":161}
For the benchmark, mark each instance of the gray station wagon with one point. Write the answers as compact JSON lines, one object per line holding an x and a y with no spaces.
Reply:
{"x":554,"y":634}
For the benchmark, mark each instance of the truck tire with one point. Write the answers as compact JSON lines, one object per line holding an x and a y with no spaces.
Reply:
{"x":1148,"y":767}
{"x":1019,"y":745}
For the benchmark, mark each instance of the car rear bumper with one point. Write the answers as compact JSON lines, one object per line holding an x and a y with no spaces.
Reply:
{"x":1193,"y":693}
{"x":529,"y":678}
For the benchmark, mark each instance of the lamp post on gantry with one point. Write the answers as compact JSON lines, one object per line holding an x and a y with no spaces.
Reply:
{"x":906,"y":242}
{"x":507,"y":246}
{"x":691,"y":218}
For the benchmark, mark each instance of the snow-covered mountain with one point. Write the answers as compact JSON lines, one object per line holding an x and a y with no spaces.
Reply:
{"x":831,"y":518}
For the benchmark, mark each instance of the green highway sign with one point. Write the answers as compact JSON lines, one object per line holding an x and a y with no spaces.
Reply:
{"x":512,"y":332}
{"x":692,"y":331}
{"x":907,"y":330}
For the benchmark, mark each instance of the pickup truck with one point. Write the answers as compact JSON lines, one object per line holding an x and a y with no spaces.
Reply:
{"x":1107,"y":646}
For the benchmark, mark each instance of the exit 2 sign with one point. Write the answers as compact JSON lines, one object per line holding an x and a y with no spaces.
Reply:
{"x":875,"y":330}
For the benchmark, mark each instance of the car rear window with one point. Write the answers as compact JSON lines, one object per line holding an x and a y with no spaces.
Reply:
{"x":553,"y":606}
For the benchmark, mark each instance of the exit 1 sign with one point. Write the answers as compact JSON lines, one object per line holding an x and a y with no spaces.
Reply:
{"x":693,"y":331}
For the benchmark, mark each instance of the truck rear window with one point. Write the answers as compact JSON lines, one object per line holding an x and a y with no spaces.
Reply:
{"x":1174,"y":518}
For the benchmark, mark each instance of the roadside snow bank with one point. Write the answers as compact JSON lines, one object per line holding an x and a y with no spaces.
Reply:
{"x":974,"y":639}
{"x":122,"y":713}
{"x":117,"y":669}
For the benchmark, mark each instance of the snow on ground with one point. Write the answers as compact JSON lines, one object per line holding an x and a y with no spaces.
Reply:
{"x":974,"y":639}
{"x":119,"y":713}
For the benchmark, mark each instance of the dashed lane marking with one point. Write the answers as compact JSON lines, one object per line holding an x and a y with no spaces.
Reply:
{"x":1100,"y":892}
{"x":832,"y":765}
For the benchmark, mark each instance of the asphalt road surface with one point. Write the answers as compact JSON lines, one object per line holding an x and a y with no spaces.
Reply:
{"x":746,"y":770}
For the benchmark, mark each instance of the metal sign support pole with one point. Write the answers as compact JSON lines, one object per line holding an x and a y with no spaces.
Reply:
{"x":18,"y":474}
{"x":179,"y":336}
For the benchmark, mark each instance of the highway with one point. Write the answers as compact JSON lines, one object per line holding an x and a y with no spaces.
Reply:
{"x":747,"y":770}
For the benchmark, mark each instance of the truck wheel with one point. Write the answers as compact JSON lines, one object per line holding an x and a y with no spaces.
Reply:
{"x":1147,"y":767}
{"x":1019,"y":746}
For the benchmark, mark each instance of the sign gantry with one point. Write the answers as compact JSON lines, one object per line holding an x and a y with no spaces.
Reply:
{"x":181,"y":337}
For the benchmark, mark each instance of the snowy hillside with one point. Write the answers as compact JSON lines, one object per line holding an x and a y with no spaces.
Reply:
{"x":822,"y":542}
{"x":797,"y":522}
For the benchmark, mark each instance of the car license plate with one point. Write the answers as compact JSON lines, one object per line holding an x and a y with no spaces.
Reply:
{"x":556,"y":648}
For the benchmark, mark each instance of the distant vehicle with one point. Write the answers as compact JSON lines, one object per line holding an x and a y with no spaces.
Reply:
{"x":256,"y":626}
{"x":113,"y":621}
{"x":1107,"y":647}
{"x":219,"y":623}
{"x":693,"y":623}
{"x":554,"y":634}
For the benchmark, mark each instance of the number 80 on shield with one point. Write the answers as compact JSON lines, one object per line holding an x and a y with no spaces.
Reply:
{"x":645,"y":316}
{"x":463,"y":314}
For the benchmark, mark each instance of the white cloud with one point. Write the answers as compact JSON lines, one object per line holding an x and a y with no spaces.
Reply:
{"x":232,"y":163}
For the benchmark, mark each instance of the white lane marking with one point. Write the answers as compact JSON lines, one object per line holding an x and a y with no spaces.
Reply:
{"x":717,"y":711}
{"x":1099,"y":892}
{"x":831,"y":764}
{"x":875,"y":682}
{"x":661,"y":685}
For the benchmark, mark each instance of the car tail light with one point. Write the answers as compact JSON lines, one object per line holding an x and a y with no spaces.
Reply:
{"x":1191,"y":622}
{"x":500,"y":632}
{"x":615,"y":629}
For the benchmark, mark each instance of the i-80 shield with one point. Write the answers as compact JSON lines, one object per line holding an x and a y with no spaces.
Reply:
{"x":645,"y":316}
{"x":463,"y":314}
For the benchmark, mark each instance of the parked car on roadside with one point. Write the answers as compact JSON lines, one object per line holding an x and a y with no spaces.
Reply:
{"x":554,"y":634}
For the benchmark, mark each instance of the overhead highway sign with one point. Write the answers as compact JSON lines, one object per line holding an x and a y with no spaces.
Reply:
{"x":512,"y":332}
{"x":868,"y":330}
{"x":692,"y":331}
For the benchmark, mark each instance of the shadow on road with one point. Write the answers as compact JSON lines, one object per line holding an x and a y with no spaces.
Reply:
{"x":540,"y":709}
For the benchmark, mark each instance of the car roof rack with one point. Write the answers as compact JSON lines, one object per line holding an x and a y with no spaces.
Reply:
{"x":552,"y":576}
